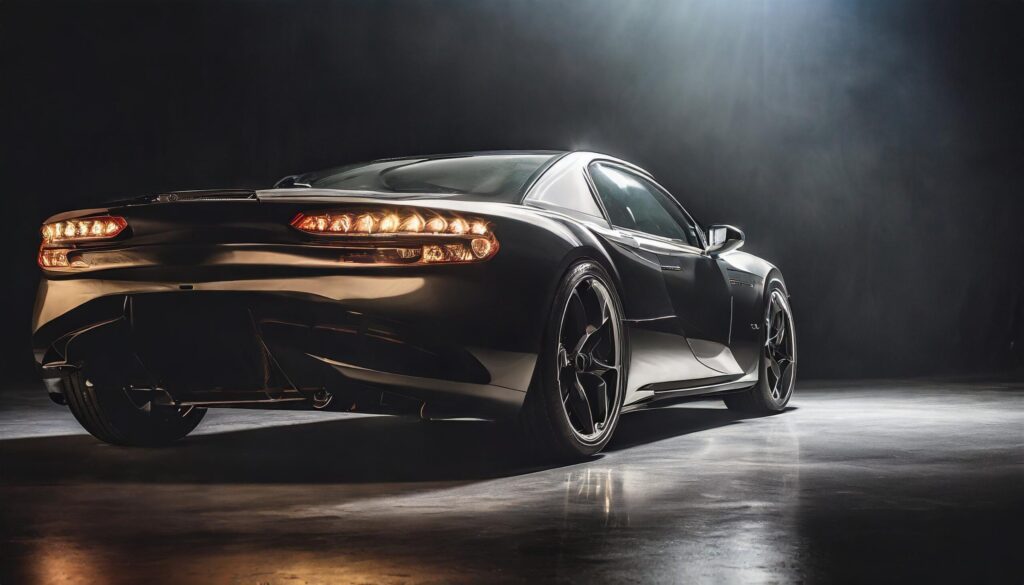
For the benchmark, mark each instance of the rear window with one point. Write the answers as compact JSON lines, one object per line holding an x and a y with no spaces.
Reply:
{"x":498,"y":176}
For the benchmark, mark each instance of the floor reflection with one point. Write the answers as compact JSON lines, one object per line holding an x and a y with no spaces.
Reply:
{"x":595,"y":496}
{"x":684,"y":494}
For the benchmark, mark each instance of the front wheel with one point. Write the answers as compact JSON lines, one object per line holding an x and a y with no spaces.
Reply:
{"x":777,"y":375}
{"x":573,"y":406}
{"x":113,"y":416}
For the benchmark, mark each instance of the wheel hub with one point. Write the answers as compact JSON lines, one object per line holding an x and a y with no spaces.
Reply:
{"x":582,"y":362}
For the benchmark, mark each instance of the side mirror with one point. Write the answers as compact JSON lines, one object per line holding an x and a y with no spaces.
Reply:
{"x":724,"y":238}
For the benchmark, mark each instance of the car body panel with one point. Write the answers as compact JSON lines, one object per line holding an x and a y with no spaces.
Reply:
{"x":219,"y":300}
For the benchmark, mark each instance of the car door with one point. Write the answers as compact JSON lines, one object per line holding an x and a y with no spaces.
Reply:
{"x":696,"y":282}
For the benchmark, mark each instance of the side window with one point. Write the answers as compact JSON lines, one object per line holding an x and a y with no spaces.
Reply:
{"x":635,"y":203}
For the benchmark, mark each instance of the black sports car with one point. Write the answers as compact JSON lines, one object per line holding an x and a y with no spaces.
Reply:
{"x":559,"y":289}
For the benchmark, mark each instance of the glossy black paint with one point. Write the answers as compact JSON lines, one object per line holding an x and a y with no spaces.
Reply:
{"x":214,"y":299}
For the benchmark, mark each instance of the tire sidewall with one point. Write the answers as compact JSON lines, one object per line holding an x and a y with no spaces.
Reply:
{"x":109,"y":415}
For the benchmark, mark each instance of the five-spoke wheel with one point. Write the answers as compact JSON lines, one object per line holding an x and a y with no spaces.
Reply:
{"x":573,"y":407}
{"x":777,"y":375}
{"x":589,"y":360}
{"x":779,"y":347}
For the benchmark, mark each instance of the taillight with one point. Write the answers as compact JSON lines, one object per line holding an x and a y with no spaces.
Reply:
{"x":78,"y":230}
{"x":402,"y":236}
{"x":54,"y":254}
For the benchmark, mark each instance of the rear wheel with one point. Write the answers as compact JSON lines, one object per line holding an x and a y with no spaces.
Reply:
{"x":777,"y":375}
{"x":114,"y":416}
{"x":573,"y":407}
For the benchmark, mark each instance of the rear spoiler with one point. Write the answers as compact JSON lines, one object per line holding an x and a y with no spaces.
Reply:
{"x":201,"y":195}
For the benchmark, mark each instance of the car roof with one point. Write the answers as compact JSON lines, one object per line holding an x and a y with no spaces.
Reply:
{"x":472,"y":153}
{"x":554,"y":159}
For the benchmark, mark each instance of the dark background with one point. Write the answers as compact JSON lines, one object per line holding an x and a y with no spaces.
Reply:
{"x":873,"y":150}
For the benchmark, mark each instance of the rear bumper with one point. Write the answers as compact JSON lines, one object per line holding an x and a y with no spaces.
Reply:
{"x":446,"y":338}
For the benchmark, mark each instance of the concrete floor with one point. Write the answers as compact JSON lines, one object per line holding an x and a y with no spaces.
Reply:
{"x":869,"y":482}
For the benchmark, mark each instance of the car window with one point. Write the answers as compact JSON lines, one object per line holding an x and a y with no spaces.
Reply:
{"x":635,"y":203}
{"x":484,"y":176}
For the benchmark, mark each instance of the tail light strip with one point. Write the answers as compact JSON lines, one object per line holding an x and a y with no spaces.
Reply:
{"x":78,"y":230}
{"x":54,"y":254}
{"x":380,"y":234}
{"x":383,"y":237}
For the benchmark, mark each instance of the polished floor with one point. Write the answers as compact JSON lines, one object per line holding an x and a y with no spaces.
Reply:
{"x":870,"y":482}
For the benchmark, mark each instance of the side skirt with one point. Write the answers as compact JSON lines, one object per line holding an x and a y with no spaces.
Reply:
{"x":704,"y":388}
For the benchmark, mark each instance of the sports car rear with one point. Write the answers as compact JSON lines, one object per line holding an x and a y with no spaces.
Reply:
{"x":233,"y":298}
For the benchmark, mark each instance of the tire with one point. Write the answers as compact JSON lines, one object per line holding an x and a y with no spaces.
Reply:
{"x":776,"y":373}
{"x":578,"y":376}
{"x":111,"y":416}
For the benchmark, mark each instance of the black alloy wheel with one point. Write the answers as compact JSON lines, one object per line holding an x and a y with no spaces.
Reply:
{"x":777,"y":368}
{"x":574,"y":404}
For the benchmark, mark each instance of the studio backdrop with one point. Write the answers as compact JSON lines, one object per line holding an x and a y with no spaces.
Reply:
{"x":873,"y":149}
